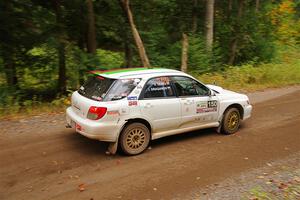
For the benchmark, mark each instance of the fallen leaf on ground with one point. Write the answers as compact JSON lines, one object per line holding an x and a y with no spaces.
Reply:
{"x":282,"y":186}
{"x":81,"y":187}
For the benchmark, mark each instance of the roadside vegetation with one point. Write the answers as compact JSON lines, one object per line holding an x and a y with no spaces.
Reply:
{"x":47,"y":47}
{"x":251,"y":76}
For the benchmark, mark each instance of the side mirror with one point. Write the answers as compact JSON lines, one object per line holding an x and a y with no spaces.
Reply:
{"x":211,"y":93}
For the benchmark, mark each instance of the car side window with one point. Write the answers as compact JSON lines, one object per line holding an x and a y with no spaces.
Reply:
{"x":158,"y":87}
{"x":186,"y":86}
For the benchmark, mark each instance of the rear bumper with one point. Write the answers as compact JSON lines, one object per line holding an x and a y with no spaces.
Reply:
{"x":107,"y":131}
{"x":247,"y":112}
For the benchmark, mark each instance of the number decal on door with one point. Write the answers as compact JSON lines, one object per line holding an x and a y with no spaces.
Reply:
{"x":212,"y":104}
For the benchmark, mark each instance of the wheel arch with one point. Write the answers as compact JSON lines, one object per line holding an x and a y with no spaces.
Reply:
{"x":235,"y":105}
{"x":138,"y":120}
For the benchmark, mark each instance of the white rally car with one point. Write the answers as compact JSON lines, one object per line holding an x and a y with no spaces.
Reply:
{"x":130,"y":107}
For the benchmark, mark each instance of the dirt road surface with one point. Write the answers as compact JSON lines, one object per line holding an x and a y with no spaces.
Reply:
{"x":41,"y":159}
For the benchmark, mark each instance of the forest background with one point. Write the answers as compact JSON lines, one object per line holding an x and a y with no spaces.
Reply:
{"x":47,"y":47}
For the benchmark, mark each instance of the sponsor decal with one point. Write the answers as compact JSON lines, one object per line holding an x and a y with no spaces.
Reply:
{"x":204,"y":107}
{"x":201,"y":104}
{"x":113,"y":112}
{"x":132,"y":103}
{"x":160,"y":88}
{"x":97,"y":98}
{"x":162,"y":81}
{"x":205,"y":110}
{"x":78,"y":127}
{"x":132,"y":98}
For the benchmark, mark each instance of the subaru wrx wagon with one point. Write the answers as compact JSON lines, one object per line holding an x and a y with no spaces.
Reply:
{"x":130,"y":107}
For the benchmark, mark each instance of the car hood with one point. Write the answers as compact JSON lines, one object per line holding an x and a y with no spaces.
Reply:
{"x":225,"y":93}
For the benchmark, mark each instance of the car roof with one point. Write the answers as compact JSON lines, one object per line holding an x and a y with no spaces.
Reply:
{"x":137,"y":73}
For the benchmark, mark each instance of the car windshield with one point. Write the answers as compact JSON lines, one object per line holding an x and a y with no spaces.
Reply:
{"x":121,"y":88}
{"x":96,"y":87}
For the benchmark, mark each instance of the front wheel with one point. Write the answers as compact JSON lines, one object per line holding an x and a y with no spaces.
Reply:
{"x":134,"y":138}
{"x":231,"y":121}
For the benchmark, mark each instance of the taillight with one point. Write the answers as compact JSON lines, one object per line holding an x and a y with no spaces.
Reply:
{"x":96,"y":113}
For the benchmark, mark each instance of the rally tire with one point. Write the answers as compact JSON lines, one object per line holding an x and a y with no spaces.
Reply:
{"x":134,"y":138}
{"x":231,"y":121}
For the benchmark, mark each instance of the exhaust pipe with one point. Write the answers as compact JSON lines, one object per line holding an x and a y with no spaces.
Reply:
{"x":68,"y":126}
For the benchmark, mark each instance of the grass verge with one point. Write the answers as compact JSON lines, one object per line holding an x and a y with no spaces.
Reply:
{"x":248,"y":78}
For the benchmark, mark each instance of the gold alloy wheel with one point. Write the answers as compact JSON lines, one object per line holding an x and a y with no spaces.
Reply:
{"x":135,"y":138}
{"x":233,"y":120}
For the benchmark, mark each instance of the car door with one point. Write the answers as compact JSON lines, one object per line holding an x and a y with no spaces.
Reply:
{"x":198,"y":107}
{"x":159,"y":104}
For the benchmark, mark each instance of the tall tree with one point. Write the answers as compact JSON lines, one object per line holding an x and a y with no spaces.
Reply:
{"x":257,"y":6}
{"x":91,"y":35}
{"x":209,"y":22}
{"x":136,"y":35}
{"x":234,"y":42}
{"x":62,"y":83}
{"x":184,"y":54}
{"x":195,"y":17}
{"x":7,"y":48}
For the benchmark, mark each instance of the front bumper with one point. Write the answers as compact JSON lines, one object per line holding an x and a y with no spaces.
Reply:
{"x":247,"y":112}
{"x":103,"y":131}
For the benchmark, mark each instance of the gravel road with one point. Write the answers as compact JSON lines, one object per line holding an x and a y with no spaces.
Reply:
{"x":41,"y":159}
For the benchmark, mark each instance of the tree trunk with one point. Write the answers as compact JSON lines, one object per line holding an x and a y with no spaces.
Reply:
{"x":62,"y":68}
{"x":10,"y":70}
{"x":229,"y":6}
{"x":234,"y":42}
{"x":8,"y":52}
{"x":136,"y":35}
{"x":184,"y":55}
{"x":194,"y":17}
{"x":209,"y":22}
{"x":257,"y":6}
{"x":91,"y":36}
{"x":229,"y":9}
{"x":128,"y":55}
{"x":62,"y":84}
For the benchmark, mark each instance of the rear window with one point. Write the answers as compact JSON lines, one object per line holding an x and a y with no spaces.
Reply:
{"x":96,"y":87}
{"x":104,"y":89}
{"x":121,"y":89}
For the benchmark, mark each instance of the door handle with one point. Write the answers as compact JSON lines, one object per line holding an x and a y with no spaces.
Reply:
{"x":189,"y":102}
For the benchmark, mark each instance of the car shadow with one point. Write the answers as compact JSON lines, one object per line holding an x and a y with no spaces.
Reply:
{"x":85,"y":145}
{"x":183,"y":137}
{"x":91,"y":147}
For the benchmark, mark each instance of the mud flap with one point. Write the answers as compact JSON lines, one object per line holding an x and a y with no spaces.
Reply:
{"x":218,"y":129}
{"x":112,"y":148}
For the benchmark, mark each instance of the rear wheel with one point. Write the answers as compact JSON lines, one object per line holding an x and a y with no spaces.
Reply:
{"x":134,"y":138}
{"x":231,"y":121}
